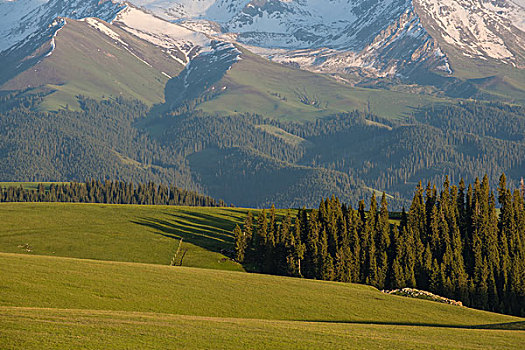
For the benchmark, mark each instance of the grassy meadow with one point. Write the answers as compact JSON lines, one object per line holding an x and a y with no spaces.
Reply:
{"x":54,"y":328}
{"x":132,"y":233}
{"x":95,"y":276}
{"x":202,"y":308}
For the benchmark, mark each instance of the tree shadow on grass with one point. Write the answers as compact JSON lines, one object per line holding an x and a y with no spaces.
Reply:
{"x":512,"y":326}
{"x":206,"y":231}
{"x":226,"y":222}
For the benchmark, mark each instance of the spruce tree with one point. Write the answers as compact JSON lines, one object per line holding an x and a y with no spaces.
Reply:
{"x":311,"y":243}
{"x":353,"y":224}
{"x":297,"y":250}
{"x":248,"y":226}
{"x":396,"y":274}
{"x":261,"y":239}
{"x":325,"y":261}
{"x":240,"y":244}
{"x":382,"y":242}
{"x":284,"y":249}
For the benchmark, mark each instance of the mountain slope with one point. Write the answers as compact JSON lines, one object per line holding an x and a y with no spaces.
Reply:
{"x":378,"y":37}
{"x":426,"y":42}
{"x":411,"y":40}
{"x":374,"y":43}
{"x":247,"y":83}
{"x":28,"y":25}
{"x":26,"y":20}
{"x":483,"y":30}
{"x":133,"y":56}
{"x":90,"y":58}
{"x":181,"y":43}
{"x":246,"y":174}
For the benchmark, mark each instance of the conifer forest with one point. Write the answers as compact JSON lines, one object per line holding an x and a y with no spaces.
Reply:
{"x":107,"y":192}
{"x":452,"y":242}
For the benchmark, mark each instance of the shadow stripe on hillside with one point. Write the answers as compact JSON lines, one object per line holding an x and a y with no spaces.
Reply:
{"x":511,"y":326}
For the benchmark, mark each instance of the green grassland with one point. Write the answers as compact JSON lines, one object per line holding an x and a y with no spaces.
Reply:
{"x":131,"y":233}
{"x":87,"y":62}
{"x":95,"y":276}
{"x":91,"y":329}
{"x":62,"y":302}
{"x":495,"y":80}
{"x":146,"y":234}
{"x":274,"y":90}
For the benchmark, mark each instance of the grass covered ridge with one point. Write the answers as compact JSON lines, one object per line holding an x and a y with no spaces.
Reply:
{"x":161,"y":306}
{"x":90,"y":63}
{"x":132,"y":233}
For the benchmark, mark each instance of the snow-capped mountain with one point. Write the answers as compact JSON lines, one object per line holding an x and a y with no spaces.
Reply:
{"x":386,"y":37}
{"x":488,"y":29}
{"x":31,"y":26}
{"x":29,"y":20}
{"x":370,"y":38}
{"x":289,"y":24}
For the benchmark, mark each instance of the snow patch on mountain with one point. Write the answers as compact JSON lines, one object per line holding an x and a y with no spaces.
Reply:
{"x":290,"y":24}
{"x":391,"y":53}
{"x":29,"y":20}
{"x":11,"y":15}
{"x":170,"y":36}
{"x":59,"y":23}
{"x":337,"y":35}
{"x":321,"y":35}
{"x":97,"y":24}
{"x":516,"y":16}
{"x":103,"y":28}
{"x":213,"y":10}
{"x":480,"y":29}
{"x":181,"y":43}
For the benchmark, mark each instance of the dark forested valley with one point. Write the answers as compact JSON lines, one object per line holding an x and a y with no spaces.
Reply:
{"x":250,"y":160}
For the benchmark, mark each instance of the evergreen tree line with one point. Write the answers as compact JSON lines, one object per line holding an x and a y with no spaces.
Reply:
{"x":108,"y":192}
{"x":453,"y":243}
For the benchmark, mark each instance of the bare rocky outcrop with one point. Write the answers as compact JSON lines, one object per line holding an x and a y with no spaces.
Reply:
{"x":421,"y":294}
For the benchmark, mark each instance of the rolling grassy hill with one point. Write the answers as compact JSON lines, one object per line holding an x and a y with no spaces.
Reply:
{"x":50,"y":298}
{"x":133,"y":233}
{"x":129,"y":233}
{"x":70,"y":301}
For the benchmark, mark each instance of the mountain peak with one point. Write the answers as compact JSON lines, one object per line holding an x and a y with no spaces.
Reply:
{"x":367,"y":39}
